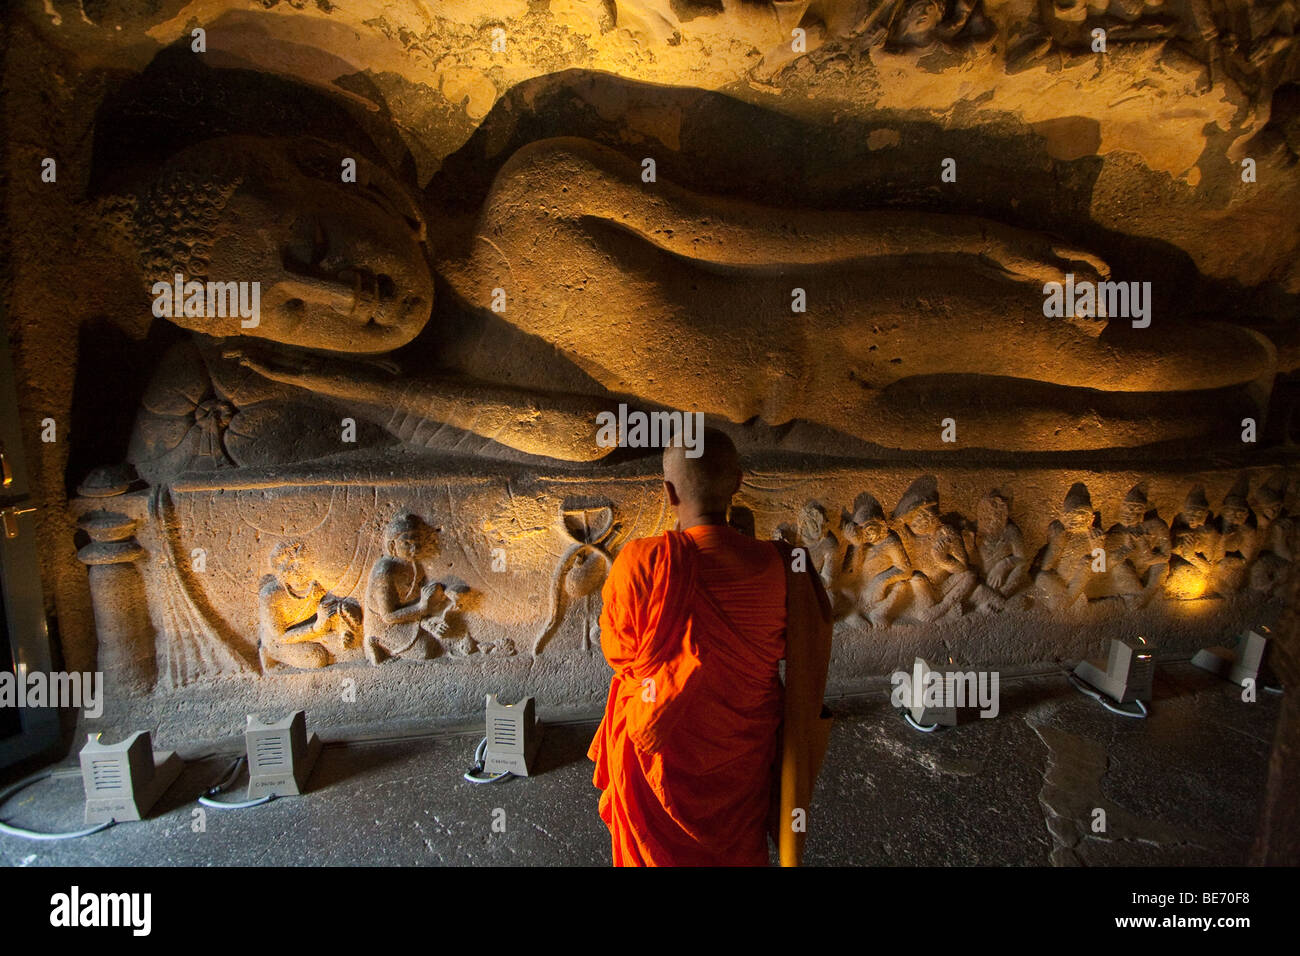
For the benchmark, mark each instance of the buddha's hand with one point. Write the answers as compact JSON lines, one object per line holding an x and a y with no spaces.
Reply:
{"x":325,"y":375}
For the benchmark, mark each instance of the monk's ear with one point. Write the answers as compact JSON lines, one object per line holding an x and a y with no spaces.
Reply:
{"x":672,"y":493}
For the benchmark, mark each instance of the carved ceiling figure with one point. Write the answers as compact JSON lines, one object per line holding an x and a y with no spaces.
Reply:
{"x":301,"y":624}
{"x":653,"y":291}
{"x":920,"y":23}
{"x":941,"y":578}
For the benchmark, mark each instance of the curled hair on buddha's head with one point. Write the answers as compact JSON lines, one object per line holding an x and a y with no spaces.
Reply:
{"x":175,"y":215}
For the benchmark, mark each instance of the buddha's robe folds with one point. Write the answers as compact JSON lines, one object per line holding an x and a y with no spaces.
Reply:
{"x":694,"y":627}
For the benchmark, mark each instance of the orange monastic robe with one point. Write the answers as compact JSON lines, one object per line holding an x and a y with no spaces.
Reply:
{"x":694,"y":627}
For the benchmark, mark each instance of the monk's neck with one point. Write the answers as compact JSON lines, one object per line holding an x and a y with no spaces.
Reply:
{"x":694,"y":519}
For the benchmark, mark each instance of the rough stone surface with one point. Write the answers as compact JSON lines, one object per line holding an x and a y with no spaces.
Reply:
{"x":796,"y":147}
{"x":1181,"y":788}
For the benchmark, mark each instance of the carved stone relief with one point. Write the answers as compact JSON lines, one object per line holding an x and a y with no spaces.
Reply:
{"x":353,"y":576}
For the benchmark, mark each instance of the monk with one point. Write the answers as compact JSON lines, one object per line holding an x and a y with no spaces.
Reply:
{"x":700,"y":741}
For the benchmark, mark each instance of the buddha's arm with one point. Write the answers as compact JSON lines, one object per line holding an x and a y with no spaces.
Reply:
{"x":556,"y":426}
{"x":578,"y":179}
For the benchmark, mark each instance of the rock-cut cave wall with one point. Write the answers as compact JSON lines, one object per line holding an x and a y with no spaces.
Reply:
{"x":998,"y":302}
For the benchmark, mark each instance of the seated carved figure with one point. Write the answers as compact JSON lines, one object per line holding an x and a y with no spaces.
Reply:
{"x":820,"y":542}
{"x":1137,"y":548}
{"x":1238,"y":540}
{"x":941,"y":578}
{"x":997,"y":553}
{"x":1074,"y":543}
{"x":406,"y":613}
{"x":609,"y":276}
{"x":874,"y":582}
{"x":1277,"y":540}
{"x":300,"y":624}
{"x":1196,"y":551}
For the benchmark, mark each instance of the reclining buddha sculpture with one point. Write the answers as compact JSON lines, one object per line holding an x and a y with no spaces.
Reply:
{"x":653,"y":292}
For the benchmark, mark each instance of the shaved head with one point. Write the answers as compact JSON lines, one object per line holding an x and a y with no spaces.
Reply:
{"x":707,"y":483}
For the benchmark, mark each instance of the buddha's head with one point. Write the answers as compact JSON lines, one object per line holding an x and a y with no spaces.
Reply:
{"x":341,"y":266}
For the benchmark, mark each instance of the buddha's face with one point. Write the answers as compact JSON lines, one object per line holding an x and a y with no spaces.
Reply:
{"x":1268,"y":512}
{"x":1079,"y":520}
{"x":340,"y":266}
{"x":1196,"y":517}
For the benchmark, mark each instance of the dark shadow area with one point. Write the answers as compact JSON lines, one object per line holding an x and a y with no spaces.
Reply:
{"x":110,"y":382}
{"x":178,"y":100}
{"x":729,"y":147}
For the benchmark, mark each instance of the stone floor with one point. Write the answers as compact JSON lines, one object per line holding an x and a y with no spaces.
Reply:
{"x":1181,"y":788}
